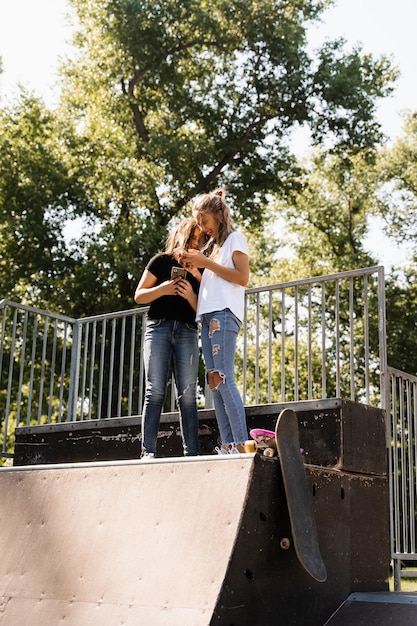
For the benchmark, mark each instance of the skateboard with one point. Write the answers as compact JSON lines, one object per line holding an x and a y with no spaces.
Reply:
{"x":262,"y":441}
{"x":284,"y":442}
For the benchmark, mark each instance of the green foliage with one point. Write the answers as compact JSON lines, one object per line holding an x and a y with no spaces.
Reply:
{"x":171,"y":99}
{"x":328,"y":219}
{"x":350,"y":104}
{"x":37,"y":195}
{"x":397,"y":203}
{"x":402,"y":319}
{"x":163,"y":100}
{"x":207,"y":93}
{"x":398,"y":171}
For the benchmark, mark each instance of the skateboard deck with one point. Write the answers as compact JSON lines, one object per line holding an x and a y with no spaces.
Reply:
{"x":300,"y":508}
{"x":285,"y":442}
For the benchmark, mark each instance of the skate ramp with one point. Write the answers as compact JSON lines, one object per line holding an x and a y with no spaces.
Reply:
{"x":184,"y":542}
{"x":119,"y":543}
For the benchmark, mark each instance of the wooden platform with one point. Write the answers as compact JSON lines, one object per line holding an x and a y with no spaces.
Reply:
{"x":333,"y":433}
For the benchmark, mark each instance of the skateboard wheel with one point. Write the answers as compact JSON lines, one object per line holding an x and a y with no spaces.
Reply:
{"x":251,"y":446}
{"x":269,"y":452}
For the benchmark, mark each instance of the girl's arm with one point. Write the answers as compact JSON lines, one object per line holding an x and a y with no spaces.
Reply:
{"x":147,"y":290}
{"x":195,"y":272}
{"x":179,"y":255}
{"x":239,"y":274}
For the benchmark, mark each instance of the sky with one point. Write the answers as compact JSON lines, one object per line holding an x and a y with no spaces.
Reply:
{"x":35,"y":35}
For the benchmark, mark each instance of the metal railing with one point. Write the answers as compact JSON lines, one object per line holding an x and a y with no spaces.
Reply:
{"x":307,"y":339}
{"x":402,"y":461}
{"x":55,"y":368}
{"x":315,"y":338}
{"x":34,"y":378}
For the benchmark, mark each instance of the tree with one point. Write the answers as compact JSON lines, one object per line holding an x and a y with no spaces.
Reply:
{"x":398,"y":206}
{"x":398,"y":171}
{"x":401,"y":296}
{"x":38,"y":194}
{"x":169,"y":99}
{"x":162,"y":101}
{"x":326,"y":222}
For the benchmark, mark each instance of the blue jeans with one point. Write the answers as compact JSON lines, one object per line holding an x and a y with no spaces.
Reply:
{"x":170,"y":342}
{"x":219,"y":332}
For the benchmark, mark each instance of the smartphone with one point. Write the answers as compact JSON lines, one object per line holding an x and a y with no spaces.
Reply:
{"x":176,"y":272}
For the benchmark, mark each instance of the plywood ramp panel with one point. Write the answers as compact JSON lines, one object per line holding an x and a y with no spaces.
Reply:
{"x":118,"y":543}
{"x":186,"y":542}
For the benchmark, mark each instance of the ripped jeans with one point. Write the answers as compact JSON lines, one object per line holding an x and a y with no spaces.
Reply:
{"x":219,"y":332}
{"x":169,"y":342}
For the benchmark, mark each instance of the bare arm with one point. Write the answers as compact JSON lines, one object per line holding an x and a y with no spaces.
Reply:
{"x":147,"y":291}
{"x":239,"y":274}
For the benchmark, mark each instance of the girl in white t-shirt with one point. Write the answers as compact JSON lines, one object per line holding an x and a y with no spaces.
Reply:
{"x":220,"y":310}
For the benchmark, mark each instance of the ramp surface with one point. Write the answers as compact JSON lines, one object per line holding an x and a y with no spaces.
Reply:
{"x":118,"y":543}
{"x":187,"y":542}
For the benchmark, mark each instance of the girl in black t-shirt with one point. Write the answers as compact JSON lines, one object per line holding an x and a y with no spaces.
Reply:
{"x":171,"y":338}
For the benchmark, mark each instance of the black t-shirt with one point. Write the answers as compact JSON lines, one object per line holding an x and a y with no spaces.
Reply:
{"x":170,"y":307}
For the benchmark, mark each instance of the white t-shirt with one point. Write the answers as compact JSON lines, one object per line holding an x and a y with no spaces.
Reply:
{"x":216,"y":293}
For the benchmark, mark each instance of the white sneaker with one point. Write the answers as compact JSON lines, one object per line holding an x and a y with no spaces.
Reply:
{"x":221,"y":450}
{"x":147,"y":456}
{"x":237,"y":448}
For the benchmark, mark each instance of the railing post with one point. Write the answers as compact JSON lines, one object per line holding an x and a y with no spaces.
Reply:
{"x":74,"y":372}
{"x":382,"y":330}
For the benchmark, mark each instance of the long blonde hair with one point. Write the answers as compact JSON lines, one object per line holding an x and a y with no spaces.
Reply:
{"x":214,"y":203}
{"x":182,"y":235}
